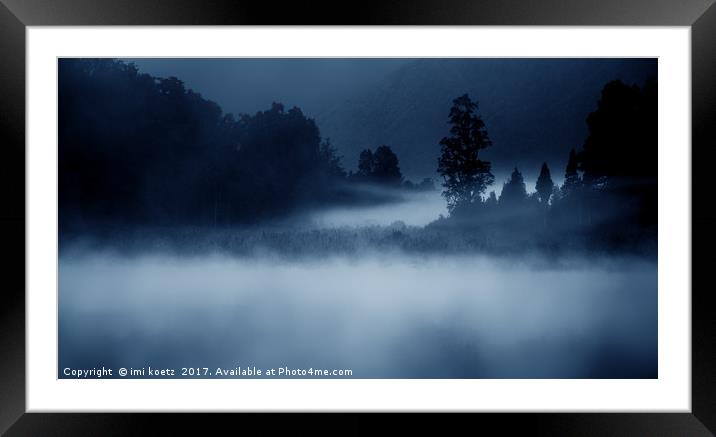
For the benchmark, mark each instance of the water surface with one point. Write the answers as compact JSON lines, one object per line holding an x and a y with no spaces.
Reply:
{"x":380,"y":316}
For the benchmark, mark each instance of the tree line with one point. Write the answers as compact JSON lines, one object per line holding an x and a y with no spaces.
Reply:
{"x":136,"y":149}
{"x":610,"y":183}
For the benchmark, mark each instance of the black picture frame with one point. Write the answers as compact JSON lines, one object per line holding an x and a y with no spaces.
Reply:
{"x":16,"y":15}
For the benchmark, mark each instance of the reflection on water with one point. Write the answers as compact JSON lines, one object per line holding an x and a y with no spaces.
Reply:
{"x":381,"y":317}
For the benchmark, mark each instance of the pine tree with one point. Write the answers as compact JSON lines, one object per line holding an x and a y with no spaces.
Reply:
{"x":571,"y":177}
{"x":544,"y":186}
{"x":514,"y":191}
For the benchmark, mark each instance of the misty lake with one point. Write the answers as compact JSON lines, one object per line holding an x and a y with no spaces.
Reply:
{"x":380,"y":316}
{"x":395,"y":218}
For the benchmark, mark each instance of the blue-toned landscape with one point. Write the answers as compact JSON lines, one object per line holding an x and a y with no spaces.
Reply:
{"x":397,"y":218}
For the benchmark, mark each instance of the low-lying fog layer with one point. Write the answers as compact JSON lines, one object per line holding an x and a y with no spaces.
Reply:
{"x":381,"y":317}
{"x":416,"y":209}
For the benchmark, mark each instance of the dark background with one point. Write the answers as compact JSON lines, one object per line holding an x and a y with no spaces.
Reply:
{"x":16,"y":14}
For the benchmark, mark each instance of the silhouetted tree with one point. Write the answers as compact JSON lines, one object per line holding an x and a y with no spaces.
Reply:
{"x":365,"y":164}
{"x":619,"y":157}
{"x":622,"y":137}
{"x":514,"y":191}
{"x":571,"y":177}
{"x":465,"y":176}
{"x":544,"y":186}
{"x":330,"y":160}
{"x":385,"y":166}
{"x":123,"y":136}
{"x":280,"y":159}
{"x":381,"y":167}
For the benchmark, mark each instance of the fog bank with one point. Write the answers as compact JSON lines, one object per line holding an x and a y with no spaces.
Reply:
{"x":390,"y":317}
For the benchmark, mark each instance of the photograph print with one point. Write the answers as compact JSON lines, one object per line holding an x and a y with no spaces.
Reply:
{"x":357,"y":218}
